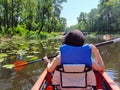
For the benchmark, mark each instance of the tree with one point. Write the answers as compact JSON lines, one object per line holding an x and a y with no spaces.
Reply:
{"x":82,"y":21}
{"x":50,"y":13}
{"x":104,"y":19}
{"x":1,"y":15}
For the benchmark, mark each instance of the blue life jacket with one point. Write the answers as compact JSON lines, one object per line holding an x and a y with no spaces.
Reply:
{"x":76,"y":55}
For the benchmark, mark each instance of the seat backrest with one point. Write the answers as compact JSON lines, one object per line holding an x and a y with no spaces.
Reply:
{"x":73,"y":76}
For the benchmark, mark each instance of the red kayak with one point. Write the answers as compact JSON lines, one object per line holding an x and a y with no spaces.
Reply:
{"x":104,"y":82}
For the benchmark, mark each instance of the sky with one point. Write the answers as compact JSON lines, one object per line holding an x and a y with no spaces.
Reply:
{"x":72,"y":8}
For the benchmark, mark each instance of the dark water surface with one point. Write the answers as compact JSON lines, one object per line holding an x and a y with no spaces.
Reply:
{"x":24,"y":79}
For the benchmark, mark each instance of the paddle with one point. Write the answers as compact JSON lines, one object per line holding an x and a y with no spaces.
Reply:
{"x":108,"y":42}
{"x":19,"y":64}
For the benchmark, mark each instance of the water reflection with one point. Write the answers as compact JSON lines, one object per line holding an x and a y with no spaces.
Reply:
{"x":24,"y":80}
{"x":111,"y":56}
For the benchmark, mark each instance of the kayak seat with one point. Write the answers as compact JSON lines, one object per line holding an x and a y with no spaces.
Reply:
{"x":74,"y":76}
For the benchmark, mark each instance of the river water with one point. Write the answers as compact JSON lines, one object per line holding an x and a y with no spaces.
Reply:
{"x":24,"y":79}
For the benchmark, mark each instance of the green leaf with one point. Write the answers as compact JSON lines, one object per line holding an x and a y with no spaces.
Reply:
{"x":33,"y":58}
{"x":30,"y":56}
{"x":8,"y":66}
{"x":3,"y":55}
{"x":1,"y":59}
{"x":21,"y":52}
{"x":35,"y":52}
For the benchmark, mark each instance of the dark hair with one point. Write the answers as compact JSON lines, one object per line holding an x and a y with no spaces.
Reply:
{"x":74,"y":38}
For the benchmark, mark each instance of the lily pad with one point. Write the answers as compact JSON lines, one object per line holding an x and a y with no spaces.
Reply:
{"x":21,"y":52}
{"x":21,"y":44}
{"x":3,"y":55}
{"x":52,"y":42}
{"x":35,"y":52}
{"x":56,"y":48}
{"x":8,"y":66}
{"x":1,"y":59}
{"x":31,"y":56}
{"x":12,"y":53}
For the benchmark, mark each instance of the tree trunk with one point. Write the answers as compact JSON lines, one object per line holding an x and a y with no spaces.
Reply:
{"x":12,"y":22}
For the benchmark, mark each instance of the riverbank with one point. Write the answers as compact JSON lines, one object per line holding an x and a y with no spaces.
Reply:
{"x":104,"y":36}
{"x":46,"y":36}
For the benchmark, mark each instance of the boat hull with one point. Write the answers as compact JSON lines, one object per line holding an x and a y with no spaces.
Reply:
{"x":104,"y":82}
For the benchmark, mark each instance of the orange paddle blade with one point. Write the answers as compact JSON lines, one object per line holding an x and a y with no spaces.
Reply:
{"x":19,"y":65}
{"x":19,"y":68}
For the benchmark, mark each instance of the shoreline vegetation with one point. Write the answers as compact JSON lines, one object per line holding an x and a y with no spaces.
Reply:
{"x":45,"y":36}
{"x":33,"y":36}
{"x":6,"y":41}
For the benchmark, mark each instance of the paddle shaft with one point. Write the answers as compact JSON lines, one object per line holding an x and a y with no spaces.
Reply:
{"x":107,"y":42}
{"x":41,"y":59}
{"x":20,"y":63}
